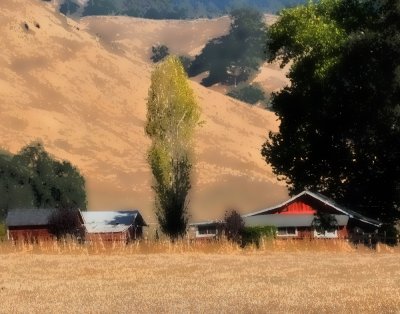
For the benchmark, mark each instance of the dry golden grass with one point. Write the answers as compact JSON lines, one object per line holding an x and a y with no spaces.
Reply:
{"x":199,"y":278}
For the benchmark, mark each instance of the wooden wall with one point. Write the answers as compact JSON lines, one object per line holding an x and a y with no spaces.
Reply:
{"x":30,"y":233}
{"x":308,"y":233}
{"x":107,"y":237}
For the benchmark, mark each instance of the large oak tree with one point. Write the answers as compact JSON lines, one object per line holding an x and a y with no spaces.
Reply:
{"x":340,"y":116}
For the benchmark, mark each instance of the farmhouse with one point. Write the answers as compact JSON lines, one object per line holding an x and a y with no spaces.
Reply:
{"x":299,"y":216}
{"x":113,"y":225}
{"x":206,"y":230}
{"x":29,"y":224}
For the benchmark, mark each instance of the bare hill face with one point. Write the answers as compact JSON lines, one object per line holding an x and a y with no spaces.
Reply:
{"x":84,"y":96}
{"x":135,"y":37}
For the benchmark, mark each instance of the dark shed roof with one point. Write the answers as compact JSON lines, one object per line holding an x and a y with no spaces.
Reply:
{"x":28,"y":217}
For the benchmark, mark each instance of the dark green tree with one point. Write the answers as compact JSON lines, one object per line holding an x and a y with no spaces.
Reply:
{"x":340,"y":116}
{"x":159,"y":52}
{"x":232,"y":58}
{"x":34,"y":179}
{"x":66,"y":222}
{"x":234,"y":225}
{"x":251,"y":94}
{"x":15,"y":188}
{"x":324,"y":222}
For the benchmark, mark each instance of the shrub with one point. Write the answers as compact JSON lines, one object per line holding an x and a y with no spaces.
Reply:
{"x":159,"y":53}
{"x":251,"y":94}
{"x":3,"y":230}
{"x":234,"y":225}
{"x":186,"y":62}
{"x":65,"y":222}
{"x":252,"y":235}
{"x":324,"y":222}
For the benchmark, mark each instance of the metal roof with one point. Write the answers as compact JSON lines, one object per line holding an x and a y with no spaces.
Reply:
{"x":111,"y":221}
{"x":278,"y":220}
{"x":350,"y":212}
{"x":206,"y":223}
{"x":28,"y":217}
{"x":326,"y":201}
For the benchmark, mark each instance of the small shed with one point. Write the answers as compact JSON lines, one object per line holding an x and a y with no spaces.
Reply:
{"x":110,"y":226}
{"x":295,"y":218}
{"x":29,"y":224}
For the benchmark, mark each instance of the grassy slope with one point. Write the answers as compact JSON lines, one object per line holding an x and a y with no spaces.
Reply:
{"x":84,"y":94}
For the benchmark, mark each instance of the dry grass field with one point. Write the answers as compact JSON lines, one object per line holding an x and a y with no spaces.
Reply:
{"x":278,"y":278}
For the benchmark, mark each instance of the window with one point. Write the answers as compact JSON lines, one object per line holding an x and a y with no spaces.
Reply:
{"x":327,"y":234}
{"x":207,"y":230}
{"x":287,"y":232}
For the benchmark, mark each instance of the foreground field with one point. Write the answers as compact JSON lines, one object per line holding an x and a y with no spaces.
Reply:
{"x":241,"y":281}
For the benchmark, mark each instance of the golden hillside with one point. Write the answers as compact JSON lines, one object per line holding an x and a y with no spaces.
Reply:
{"x":82,"y":90}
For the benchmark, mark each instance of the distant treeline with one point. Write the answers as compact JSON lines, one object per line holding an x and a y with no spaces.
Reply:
{"x":171,"y":9}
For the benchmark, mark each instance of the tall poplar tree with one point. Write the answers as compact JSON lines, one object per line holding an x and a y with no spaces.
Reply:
{"x":172,"y":115}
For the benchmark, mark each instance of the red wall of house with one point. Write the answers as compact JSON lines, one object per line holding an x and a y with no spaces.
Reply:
{"x":343,"y":233}
{"x":308,"y":233}
{"x":297,"y":208}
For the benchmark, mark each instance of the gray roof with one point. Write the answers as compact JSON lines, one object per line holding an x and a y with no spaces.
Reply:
{"x":111,"y":221}
{"x":278,"y":220}
{"x":326,"y":201}
{"x":28,"y":217}
{"x":350,"y":212}
{"x":206,"y":223}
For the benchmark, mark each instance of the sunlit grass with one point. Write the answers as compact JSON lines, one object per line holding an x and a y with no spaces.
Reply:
{"x":157,"y":277}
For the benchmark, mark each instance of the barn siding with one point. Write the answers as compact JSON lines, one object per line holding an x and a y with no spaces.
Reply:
{"x":108,"y":237}
{"x":30,"y":233}
{"x":124,"y":236}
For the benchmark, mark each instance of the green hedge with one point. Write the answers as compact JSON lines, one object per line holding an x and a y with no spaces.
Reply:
{"x":253,"y":235}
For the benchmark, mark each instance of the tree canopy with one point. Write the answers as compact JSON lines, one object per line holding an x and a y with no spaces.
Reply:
{"x":232,"y":58}
{"x":172,"y":115}
{"x":340,"y":116}
{"x":34,"y":179}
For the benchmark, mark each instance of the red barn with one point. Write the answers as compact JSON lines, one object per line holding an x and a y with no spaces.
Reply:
{"x":297,"y":218}
{"x":29,"y":224}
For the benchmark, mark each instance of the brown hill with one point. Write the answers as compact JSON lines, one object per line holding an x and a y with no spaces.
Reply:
{"x":84,"y":95}
{"x":136,"y":36}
